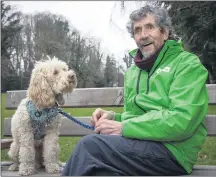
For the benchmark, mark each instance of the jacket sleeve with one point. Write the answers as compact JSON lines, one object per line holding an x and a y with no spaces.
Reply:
{"x":188,"y":107}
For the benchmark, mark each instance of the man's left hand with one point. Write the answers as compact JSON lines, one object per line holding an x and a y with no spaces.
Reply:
{"x":108,"y":127}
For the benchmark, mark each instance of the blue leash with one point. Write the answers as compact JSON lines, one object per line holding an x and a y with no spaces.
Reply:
{"x":75,"y":120}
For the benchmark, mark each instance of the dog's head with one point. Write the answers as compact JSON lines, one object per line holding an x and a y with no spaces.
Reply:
{"x":50,"y":79}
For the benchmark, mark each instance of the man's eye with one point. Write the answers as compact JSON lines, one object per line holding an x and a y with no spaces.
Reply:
{"x":150,"y":26}
{"x":137,"y":30}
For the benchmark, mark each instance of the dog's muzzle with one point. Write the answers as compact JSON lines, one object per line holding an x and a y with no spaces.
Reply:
{"x":72,"y":77}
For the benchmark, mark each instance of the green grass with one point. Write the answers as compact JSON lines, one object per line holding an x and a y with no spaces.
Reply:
{"x":207,"y":155}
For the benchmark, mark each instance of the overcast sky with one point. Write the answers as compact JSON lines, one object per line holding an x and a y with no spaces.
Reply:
{"x":91,"y":18}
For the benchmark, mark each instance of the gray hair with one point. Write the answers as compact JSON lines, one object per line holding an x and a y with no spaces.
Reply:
{"x":161,"y":15}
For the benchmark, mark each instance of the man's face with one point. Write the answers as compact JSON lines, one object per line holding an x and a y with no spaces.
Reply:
{"x":148,"y":36}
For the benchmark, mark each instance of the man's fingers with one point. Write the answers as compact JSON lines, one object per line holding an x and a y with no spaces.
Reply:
{"x":92,"y":122}
{"x":103,"y":129}
{"x":95,"y":116}
{"x":100,"y":125}
{"x":108,"y":127}
{"x":101,"y":121}
{"x":97,"y":129}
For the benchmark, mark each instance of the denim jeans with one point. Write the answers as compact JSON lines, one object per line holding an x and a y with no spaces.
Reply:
{"x":111,"y":155}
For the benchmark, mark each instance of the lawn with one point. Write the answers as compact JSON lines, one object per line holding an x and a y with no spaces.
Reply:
{"x":207,"y":155}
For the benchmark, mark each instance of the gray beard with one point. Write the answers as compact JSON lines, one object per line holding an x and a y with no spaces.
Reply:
{"x":147,"y":55}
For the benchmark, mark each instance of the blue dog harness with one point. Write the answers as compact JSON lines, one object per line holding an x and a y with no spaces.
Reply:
{"x":40,"y":118}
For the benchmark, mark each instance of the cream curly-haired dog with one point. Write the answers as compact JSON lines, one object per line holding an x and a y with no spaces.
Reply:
{"x":36,"y":122}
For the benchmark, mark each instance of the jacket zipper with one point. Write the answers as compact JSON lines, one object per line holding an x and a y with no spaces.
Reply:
{"x":137,"y":91}
{"x":147,"y":90}
{"x":137,"y":86}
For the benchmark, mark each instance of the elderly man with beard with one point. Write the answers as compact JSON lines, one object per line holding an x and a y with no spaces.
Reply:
{"x":161,"y":129}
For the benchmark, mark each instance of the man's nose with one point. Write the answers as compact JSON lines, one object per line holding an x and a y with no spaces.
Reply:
{"x":144,"y":34}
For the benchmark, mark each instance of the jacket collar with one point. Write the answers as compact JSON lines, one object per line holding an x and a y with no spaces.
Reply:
{"x":170,"y":47}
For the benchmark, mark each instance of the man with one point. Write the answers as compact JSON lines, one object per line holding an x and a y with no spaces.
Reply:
{"x":161,"y":129}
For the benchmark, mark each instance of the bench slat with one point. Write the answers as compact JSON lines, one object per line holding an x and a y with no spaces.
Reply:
{"x":204,"y":170}
{"x":40,"y":172}
{"x":5,"y":143}
{"x":212,"y":93}
{"x":69,"y":128}
{"x":91,"y":97}
{"x":81,"y":97}
{"x":198,"y":170}
{"x":210,"y":124}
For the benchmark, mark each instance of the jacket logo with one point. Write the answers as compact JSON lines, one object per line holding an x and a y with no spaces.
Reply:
{"x":166,"y":69}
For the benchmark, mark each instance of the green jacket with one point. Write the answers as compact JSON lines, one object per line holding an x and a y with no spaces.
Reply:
{"x":168,"y":104}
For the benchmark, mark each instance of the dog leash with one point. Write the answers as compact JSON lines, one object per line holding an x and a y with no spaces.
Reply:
{"x":75,"y":120}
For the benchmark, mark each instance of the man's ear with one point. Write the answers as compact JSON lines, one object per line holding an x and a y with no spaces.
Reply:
{"x":165,"y":32}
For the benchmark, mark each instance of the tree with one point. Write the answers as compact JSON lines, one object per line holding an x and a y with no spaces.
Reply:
{"x":110,"y":73}
{"x":49,"y":34}
{"x":195,"y":22}
{"x":10,"y":26}
{"x":128,"y":60}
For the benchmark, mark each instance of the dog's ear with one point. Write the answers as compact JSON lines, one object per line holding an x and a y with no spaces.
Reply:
{"x":40,"y":92}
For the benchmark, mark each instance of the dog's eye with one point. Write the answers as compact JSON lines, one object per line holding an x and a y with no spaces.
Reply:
{"x":55,"y":72}
{"x":64,"y":69}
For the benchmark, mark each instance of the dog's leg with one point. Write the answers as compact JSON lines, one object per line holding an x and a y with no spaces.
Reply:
{"x":51,"y":149}
{"x":59,"y":150}
{"x":27,"y":151}
{"x":13,"y":153}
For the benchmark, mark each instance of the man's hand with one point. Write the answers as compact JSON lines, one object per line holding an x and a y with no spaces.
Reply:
{"x":101,"y":114}
{"x":108,"y":127}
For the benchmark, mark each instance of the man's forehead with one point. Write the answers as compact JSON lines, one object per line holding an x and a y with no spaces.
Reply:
{"x":148,"y":19}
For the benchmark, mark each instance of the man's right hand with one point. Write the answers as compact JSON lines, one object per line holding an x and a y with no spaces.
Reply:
{"x":101,"y":114}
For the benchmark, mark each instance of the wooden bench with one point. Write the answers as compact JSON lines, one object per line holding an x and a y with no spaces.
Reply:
{"x":95,"y":97}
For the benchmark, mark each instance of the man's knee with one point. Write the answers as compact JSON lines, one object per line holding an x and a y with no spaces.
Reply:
{"x":89,"y":141}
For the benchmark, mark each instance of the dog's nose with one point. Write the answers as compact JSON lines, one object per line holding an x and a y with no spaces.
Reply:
{"x":72,"y":76}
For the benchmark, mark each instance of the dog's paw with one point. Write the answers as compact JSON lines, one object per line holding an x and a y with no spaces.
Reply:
{"x":52,"y":168}
{"x":60,"y":163}
{"x":26,"y":169}
{"x":13,"y":167}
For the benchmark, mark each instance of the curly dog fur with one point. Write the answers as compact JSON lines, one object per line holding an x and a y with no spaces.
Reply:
{"x":50,"y":79}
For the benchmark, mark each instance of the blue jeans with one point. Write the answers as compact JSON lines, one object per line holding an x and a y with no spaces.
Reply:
{"x":110,"y":155}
